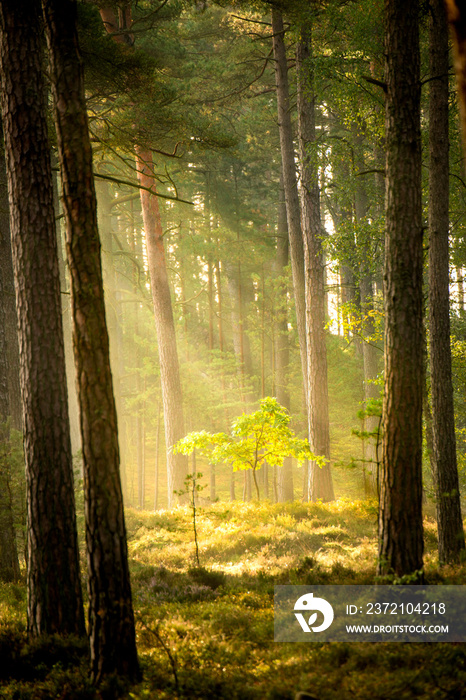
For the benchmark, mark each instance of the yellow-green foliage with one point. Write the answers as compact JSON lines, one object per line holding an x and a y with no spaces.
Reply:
{"x":254,"y":438}
{"x":248,"y":537}
{"x":220,"y":637}
{"x":207,"y":632}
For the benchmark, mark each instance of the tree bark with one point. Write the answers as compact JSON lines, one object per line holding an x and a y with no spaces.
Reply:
{"x":9,"y":302}
{"x":172,"y":398}
{"x":177,"y":465}
{"x":105,"y":202}
{"x":136,"y":248}
{"x":73,"y":408}
{"x":111,"y":619}
{"x":241,"y":344}
{"x":290,"y":184}
{"x":456,"y":13}
{"x":400,"y":516}
{"x":54,"y":587}
{"x":218,"y":283}
{"x":369,"y":350}
{"x":282,"y":350}
{"x":321,"y":484}
{"x":450,"y":523}
{"x":371,"y":390}
{"x":460,"y":285}
{"x":9,"y":563}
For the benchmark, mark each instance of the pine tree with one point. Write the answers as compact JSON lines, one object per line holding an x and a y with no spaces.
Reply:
{"x":450,"y":523}
{"x":111,"y":618}
{"x":54,"y":586}
{"x":321,"y":485}
{"x":400,"y":518}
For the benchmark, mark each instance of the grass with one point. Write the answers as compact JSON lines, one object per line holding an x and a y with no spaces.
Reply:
{"x":208,"y":632}
{"x":245,"y":538}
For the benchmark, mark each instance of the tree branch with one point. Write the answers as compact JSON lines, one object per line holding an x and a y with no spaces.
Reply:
{"x":369,"y":172}
{"x":137,"y":186}
{"x":374,"y":81}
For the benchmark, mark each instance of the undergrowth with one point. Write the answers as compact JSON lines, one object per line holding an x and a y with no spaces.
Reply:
{"x":207,"y":631}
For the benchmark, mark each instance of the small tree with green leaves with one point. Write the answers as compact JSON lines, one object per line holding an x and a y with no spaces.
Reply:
{"x":191,"y":487}
{"x":254,"y":438}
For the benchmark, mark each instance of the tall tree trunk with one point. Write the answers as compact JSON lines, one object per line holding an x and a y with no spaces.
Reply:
{"x":321,"y":485}
{"x":136,"y":247}
{"x":450,"y":523}
{"x":427,"y":413}
{"x":456,"y":12}
{"x":348,"y":300}
{"x":9,"y":383}
{"x":73,"y":408}
{"x":342,"y":211}
{"x":400,"y":517}
{"x":369,"y":350}
{"x":218,"y":282}
{"x":241,"y":344}
{"x":9,"y":564}
{"x":157,"y":452}
{"x":290,"y":184}
{"x":282,"y":349}
{"x":105,"y":202}
{"x":111,"y":619}
{"x":177,"y":465}
{"x":460,"y":285}
{"x":184,"y":303}
{"x":371,"y":390}
{"x":210,"y":268}
{"x":9,"y":301}
{"x":54,"y":587}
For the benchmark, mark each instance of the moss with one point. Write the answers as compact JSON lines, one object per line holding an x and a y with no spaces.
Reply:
{"x":213,"y":625}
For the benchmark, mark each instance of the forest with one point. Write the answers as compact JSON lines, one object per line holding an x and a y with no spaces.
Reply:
{"x":232,"y":340}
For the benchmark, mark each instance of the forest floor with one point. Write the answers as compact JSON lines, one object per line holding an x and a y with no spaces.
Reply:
{"x":207,"y":632}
